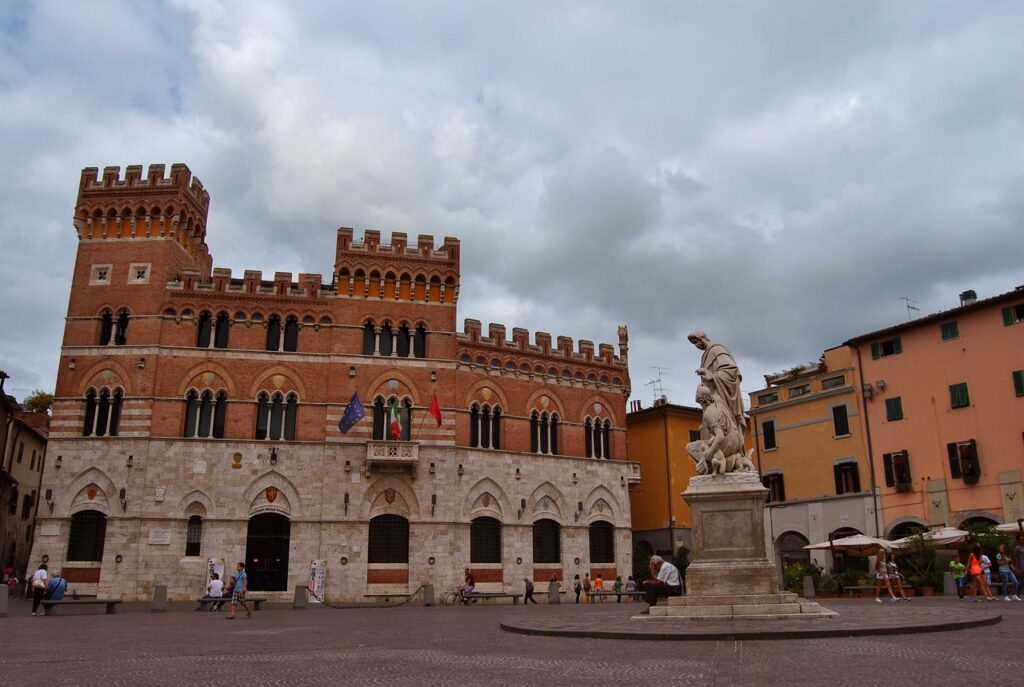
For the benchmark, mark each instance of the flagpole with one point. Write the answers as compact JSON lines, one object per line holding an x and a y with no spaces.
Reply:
{"x":420,"y":427}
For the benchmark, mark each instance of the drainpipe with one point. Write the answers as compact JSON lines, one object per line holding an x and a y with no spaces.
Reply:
{"x":668,"y":486}
{"x":871,"y":455}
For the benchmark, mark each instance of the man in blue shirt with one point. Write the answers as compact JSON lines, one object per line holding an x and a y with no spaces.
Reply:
{"x":56,"y":588}
{"x":238,"y":595}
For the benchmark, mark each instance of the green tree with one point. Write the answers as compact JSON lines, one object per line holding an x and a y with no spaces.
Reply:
{"x":38,"y":402}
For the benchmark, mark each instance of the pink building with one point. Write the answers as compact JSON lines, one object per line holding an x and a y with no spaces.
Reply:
{"x":944,"y":414}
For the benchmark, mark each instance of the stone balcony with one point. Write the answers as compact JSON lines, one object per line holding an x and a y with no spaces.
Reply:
{"x":392,"y":457}
{"x":633,"y":476}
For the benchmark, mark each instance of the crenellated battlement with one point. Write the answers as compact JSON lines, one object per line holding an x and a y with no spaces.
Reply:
{"x":181,"y":180}
{"x":308,"y":285}
{"x":397,"y":271}
{"x":472,"y":337}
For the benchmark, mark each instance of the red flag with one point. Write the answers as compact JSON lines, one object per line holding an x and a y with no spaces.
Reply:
{"x":435,"y":409}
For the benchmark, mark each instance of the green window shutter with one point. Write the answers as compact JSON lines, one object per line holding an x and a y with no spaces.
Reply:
{"x":958,"y":396}
{"x":1008,"y":315}
{"x":950,"y":331}
{"x":876,"y":351}
{"x":856,"y":477}
{"x":894,"y":408}
{"x":838,"y":474}
{"x":890,"y":478}
{"x":954,"y":461}
{"x":1018,"y":382}
{"x":897,"y":345}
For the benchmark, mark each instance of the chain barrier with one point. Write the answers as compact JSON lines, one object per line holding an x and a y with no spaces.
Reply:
{"x":353,"y":606}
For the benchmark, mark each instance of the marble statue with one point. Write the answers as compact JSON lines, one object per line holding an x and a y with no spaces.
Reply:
{"x":718,"y":370}
{"x":720,"y":447}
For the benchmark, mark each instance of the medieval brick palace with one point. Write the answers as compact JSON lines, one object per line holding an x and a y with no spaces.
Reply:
{"x":197,"y":419}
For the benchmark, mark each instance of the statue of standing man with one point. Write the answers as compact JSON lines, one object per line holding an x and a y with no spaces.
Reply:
{"x":719,"y":372}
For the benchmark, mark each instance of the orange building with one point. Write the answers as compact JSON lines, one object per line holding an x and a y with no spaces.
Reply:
{"x":813,"y":457}
{"x":657,"y":440}
{"x":944,"y":412}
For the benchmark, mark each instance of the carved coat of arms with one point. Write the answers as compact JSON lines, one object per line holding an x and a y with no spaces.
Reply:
{"x":271,"y":493}
{"x":389,"y":496}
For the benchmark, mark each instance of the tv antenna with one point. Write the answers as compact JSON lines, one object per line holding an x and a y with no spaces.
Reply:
{"x":656,"y":384}
{"x":911,"y":307}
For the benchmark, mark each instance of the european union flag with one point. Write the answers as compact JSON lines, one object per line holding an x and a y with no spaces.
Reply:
{"x":354,"y":412}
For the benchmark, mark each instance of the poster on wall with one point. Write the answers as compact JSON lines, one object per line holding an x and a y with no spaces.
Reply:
{"x":317,"y":577}
{"x":214,"y":565}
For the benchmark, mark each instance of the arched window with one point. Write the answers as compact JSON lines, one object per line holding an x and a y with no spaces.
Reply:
{"x":602,"y":542}
{"x":544,"y":433}
{"x":276,"y":416}
{"x":387,"y":339}
{"x":121,"y":329}
{"x":485,"y":427}
{"x":403,"y":341}
{"x":369,"y":338}
{"x":102,"y":412}
{"x":588,"y":437}
{"x":106,"y":328}
{"x":547,"y":542}
{"x":205,"y":414}
{"x":496,"y":428}
{"x":220,"y":334}
{"x":88,"y":532}
{"x":274,"y":333}
{"x":291,"y":335}
{"x":194,"y":536}
{"x":485,"y":540}
{"x":204,"y":330}
{"x":474,"y":426}
{"x":606,"y":439}
{"x":382,"y":419}
{"x":597,"y":434}
{"x":388,"y":540}
{"x":419,"y":343}
{"x":791,"y":548}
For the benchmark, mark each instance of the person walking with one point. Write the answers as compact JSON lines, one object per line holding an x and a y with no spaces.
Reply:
{"x":630,"y":588}
{"x":238,"y":595}
{"x":1006,"y":575}
{"x":986,"y":570}
{"x":976,"y":573}
{"x":39,"y":578}
{"x":882,"y":575}
{"x":618,"y":589}
{"x":958,"y":570}
{"x":12,"y":585}
{"x":553,"y":590}
{"x":577,"y":587}
{"x":587,"y":587}
{"x":528,"y":597}
{"x":599,"y":587}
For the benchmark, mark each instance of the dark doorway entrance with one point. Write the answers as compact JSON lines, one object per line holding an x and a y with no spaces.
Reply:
{"x":266,"y":552}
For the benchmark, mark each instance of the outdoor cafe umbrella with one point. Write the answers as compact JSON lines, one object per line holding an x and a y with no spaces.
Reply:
{"x":940,"y":537}
{"x":854,"y":545}
{"x":1011,"y":528}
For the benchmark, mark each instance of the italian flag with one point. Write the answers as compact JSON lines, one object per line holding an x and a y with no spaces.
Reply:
{"x":396,"y":423}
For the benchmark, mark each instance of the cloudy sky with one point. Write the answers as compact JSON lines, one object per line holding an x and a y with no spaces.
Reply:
{"x":780,"y":174}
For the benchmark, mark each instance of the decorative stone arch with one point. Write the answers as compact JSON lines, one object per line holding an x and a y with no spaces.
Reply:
{"x":486,"y":498}
{"x":379,"y":385}
{"x":610,"y":511}
{"x":547,"y":501}
{"x":555,"y":404}
{"x":108,"y":373}
{"x":403,"y":499}
{"x":197,"y":377}
{"x":605,"y":413}
{"x":286,"y":500}
{"x":264,"y":381}
{"x":92,"y":481}
{"x":903,"y":520}
{"x":476,"y":393}
{"x":964,"y":516}
{"x":197,"y":502}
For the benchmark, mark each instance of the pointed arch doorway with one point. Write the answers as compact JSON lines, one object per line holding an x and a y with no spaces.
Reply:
{"x":266,"y":552}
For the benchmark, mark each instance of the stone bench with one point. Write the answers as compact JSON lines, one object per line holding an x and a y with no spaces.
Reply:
{"x":629,"y":595}
{"x":216,"y":603}
{"x":50,"y":607}
{"x":469,"y":598}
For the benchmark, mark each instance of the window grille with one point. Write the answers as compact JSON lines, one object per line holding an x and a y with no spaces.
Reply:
{"x":547,"y":545}
{"x":88,"y":532}
{"x":602,"y":542}
{"x":485,"y":540}
{"x":194,"y":536}
{"x":388,"y":540}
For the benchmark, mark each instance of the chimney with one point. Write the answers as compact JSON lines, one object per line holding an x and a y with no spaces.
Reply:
{"x":968,"y":297}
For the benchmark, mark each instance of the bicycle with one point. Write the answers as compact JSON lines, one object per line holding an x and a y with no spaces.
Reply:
{"x":455,"y":596}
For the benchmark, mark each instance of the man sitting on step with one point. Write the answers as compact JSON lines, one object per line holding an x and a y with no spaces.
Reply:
{"x":666,"y":581}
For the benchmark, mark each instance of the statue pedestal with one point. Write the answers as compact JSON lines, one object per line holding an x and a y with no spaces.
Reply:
{"x":731,"y":575}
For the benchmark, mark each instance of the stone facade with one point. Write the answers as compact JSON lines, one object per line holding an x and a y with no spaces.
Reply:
{"x":552,"y":450}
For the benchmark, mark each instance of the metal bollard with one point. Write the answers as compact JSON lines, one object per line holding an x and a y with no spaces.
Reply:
{"x":3,"y":603}
{"x":428,"y":595}
{"x":300,"y":601}
{"x":948,"y":585}
{"x":808,"y":587}
{"x":159,"y":599}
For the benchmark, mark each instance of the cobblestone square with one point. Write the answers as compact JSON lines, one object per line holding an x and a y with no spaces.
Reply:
{"x":464,"y":646}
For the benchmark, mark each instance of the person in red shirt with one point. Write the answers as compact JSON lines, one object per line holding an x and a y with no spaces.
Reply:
{"x":469,"y":587}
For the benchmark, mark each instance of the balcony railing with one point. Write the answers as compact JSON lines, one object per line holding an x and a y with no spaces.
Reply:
{"x":392,"y":456}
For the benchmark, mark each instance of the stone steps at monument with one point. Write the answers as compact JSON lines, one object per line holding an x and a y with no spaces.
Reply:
{"x":734,"y":599}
